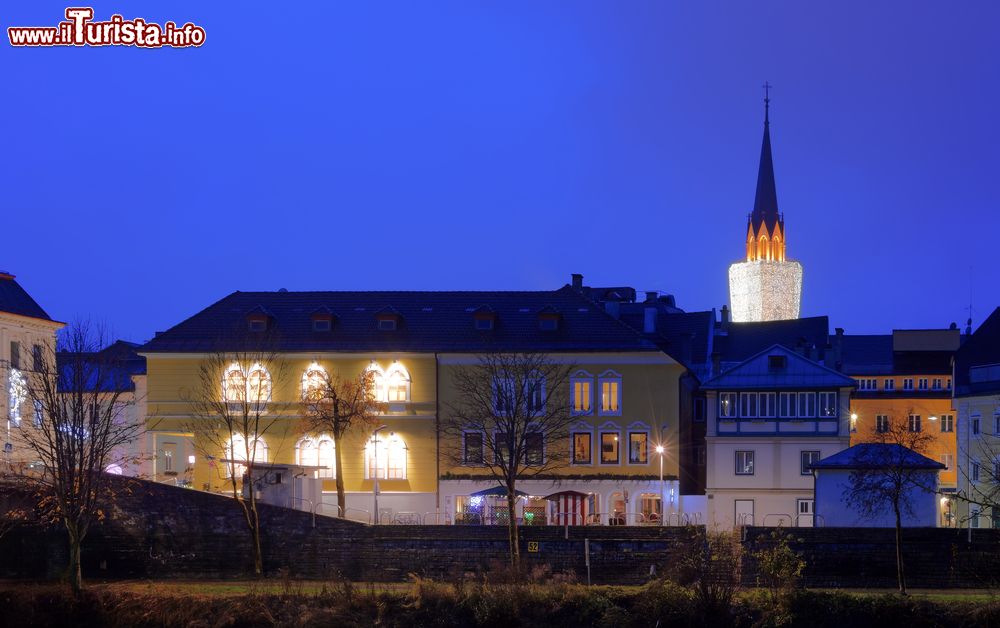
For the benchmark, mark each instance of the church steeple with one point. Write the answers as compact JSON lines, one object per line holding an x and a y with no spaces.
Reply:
{"x":765,"y":202}
{"x":766,"y":226}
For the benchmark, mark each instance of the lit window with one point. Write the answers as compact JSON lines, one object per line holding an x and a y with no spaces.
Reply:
{"x":317,"y":453}
{"x":882,"y":423}
{"x":581,"y":385}
{"x":234,"y":384}
{"x":744,"y":462}
{"x":397,"y":383}
{"x":581,"y":448}
{"x":258,"y":385}
{"x":638,"y":447}
{"x":168,"y":459}
{"x":609,"y":447}
{"x":611,"y":393}
{"x":386,"y":458}
{"x":313,"y":382}
{"x":17,"y":392}
{"x":237,"y":449}
{"x":374,"y":378}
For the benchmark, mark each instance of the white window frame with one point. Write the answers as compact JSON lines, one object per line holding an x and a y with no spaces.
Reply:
{"x":747,"y":455}
{"x":947,"y":423}
{"x":581,"y":377}
{"x":748,"y":405}
{"x":827,"y":400}
{"x":908,"y":383}
{"x":879,"y":419}
{"x":922,"y":383}
{"x":396,"y":443}
{"x":610,"y":377}
{"x":807,"y":399}
{"x":399,"y":372}
{"x":889,"y":384}
{"x":948,"y":460}
{"x":729,"y":401}
{"x":788,"y":404}
{"x":803,"y":467}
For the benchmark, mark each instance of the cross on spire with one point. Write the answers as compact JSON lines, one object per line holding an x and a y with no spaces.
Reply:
{"x":767,"y":99}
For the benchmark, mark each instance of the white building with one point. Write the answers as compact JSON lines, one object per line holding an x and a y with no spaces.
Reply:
{"x":888,"y":464}
{"x":769,"y":418}
{"x":27,"y":335}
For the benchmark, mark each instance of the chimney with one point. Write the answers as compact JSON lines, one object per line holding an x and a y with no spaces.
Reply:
{"x":577,"y":280}
{"x":724,"y":314}
{"x":649,"y":320}
{"x":651,"y":296}
{"x":613,"y":308}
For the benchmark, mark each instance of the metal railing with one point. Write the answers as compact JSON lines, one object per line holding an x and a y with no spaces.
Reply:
{"x":777,"y":520}
{"x":437,"y":518}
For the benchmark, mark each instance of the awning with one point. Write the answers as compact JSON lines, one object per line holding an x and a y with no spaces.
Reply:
{"x":496,"y":491}
{"x":555,"y":496}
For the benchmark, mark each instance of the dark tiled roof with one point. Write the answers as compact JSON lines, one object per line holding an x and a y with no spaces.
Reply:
{"x":110,"y":369}
{"x":685,"y":336}
{"x":875,"y":456}
{"x":865,"y":354}
{"x":874,"y":355}
{"x":15,"y":300}
{"x":981,"y":349}
{"x":743,"y":340}
{"x":429,"y":321}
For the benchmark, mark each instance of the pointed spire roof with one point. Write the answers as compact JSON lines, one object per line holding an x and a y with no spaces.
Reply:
{"x":765,"y":203}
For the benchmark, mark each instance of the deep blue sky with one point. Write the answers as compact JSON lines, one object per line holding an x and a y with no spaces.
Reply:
{"x":505,"y":145}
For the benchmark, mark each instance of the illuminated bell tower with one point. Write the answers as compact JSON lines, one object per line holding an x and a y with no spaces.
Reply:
{"x":767,"y":286}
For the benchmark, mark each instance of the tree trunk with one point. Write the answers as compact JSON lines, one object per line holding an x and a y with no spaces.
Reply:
{"x":337,"y":457}
{"x":258,"y":554}
{"x":74,"y":573}
{"x":515,"y":550}
{"x":900,"y":574}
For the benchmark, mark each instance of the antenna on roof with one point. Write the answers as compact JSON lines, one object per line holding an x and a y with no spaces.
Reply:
{"x":968,"y":323}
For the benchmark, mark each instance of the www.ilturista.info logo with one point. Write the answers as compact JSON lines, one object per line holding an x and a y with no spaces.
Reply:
{"x":79,"y":29}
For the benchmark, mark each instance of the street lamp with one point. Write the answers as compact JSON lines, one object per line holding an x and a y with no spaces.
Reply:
{"x":375,"y":459}
{"x":663,"y":508}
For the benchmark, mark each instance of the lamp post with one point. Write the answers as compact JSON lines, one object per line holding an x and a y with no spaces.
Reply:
{"x":375,"y":459}
{"x":663,"y":504}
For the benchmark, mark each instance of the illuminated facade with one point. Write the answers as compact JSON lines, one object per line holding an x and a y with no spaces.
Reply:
{"x":766,"y":286}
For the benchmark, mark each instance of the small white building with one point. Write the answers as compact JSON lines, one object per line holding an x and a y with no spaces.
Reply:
{"x":769,"y":418}
{"x":879,"y":463}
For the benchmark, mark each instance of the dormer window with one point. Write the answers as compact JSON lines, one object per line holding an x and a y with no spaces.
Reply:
{"x":322,"y":324}
{"x":548,"y":319}
{"x":484,"y":324}
{"x":387,"y":319}
{"x":387,"y":324}
{"x":258,"y":324}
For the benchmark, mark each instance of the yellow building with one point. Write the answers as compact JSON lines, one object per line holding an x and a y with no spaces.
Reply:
{"x":905,"y":379}
{"x":412,"y":341}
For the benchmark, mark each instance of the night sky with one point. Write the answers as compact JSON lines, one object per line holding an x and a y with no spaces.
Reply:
{"x":504,"y":145}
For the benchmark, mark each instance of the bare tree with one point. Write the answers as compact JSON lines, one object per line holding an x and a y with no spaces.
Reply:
{"x":886,"y":478}
{"x":78,"y":425}
{"x":517,"y":406}
{"x":337,"y":405}
{"x":233,"y":412}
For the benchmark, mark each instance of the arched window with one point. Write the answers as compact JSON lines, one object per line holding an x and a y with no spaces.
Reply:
{"x":386,"y":458}
{"x":236,"y":450}
{"x":375,"y":379}
{"x":258,"y":385}
{"x":317,"y":452}
{"x":313,"y":381}
{"x":234,"y":384}
{"x":397,"y":383}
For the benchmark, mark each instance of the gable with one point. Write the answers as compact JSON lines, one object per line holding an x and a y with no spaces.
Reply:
{"x":778,"y":367}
